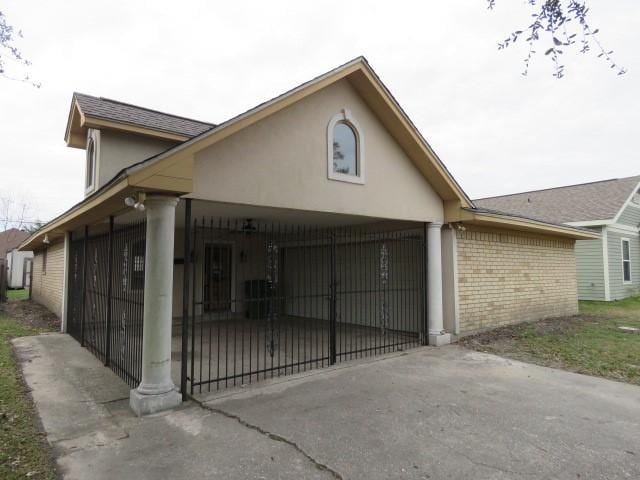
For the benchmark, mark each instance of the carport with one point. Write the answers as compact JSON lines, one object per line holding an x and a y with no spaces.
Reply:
{"x":272,"y":293}
{"x":259,"y":294}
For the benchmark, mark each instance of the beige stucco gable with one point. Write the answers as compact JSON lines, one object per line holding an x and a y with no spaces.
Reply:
{"x":282,"y":162}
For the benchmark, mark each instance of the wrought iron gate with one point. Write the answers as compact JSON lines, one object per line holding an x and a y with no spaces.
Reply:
{"x":295,"y":298}
{"x":105,"y":296}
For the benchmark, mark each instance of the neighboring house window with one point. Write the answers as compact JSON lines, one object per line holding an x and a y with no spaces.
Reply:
{"x":626,"y":260}
{"x":345,"y":157}
{"x":44,"y":262}
{"x":91,"y":164}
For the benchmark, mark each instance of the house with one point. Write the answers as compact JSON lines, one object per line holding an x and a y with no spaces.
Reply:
{"x":608,"y":268}
{"x":315,"y":228}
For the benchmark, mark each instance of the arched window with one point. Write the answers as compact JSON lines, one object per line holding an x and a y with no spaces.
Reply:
{"x":91,"y":149}
{"x":345,"y":156}
{"x":345,"y":149}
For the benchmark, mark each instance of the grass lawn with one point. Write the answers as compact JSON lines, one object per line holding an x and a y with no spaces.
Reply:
{"x":24,"y":452}
{"x":21,"y":294}
{"x":590,"y":343}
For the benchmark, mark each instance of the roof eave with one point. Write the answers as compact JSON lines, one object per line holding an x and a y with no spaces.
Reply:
{"x":78,"y":122}
{"x":107,"y":201}
{"x":527,"y":224}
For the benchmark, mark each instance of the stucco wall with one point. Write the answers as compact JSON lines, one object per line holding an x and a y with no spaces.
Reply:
{"x":48,"y":286}
{"x":282,"y":162}
{"x":118,"y":150}
{"x":509,"y":277}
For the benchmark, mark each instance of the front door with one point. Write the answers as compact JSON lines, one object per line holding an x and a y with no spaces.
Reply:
{"x":217,"y":278}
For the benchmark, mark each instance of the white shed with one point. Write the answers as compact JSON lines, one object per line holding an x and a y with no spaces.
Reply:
{"x":19,"y":268}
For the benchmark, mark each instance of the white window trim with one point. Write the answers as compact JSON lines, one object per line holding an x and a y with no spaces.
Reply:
{"x":95,"y":136}
{"x":622,"y":240}
{"x":346,"y":117}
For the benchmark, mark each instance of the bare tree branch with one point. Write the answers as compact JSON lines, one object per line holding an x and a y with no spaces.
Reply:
{"x":9,"y":52}
{"x":559,"y":22}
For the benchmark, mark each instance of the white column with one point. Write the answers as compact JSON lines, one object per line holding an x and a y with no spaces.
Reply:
{"x":437,"y":335}
{"x":65,"y":286}
{"x":156,"y":391}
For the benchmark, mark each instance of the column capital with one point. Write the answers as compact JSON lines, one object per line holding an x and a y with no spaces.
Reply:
{"x":160,"y":200}
{"x":434,"y":225}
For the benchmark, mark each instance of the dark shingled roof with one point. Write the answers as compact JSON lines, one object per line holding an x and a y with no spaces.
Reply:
{"x":120,"y":112}
{"x":575,"y":203}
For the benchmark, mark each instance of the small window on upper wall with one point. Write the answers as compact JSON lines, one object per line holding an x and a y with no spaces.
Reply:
{"x":345,"y":160}
{"x":91,"y":164}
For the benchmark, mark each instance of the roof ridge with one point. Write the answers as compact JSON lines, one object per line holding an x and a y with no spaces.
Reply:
{"x":120,"y":102}
{"x":559,"y":187}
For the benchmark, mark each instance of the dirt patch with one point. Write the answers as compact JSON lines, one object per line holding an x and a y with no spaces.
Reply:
{"x":509,"y":341}
{"x":554,"y":325}
{"x":588,"y":343}
{"x":30,"y":314}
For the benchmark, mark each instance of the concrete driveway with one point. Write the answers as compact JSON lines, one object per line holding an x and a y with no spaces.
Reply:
{"x":427,"y":414}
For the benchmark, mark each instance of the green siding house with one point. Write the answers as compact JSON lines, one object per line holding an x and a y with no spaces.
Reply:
{"x":607,"y":268}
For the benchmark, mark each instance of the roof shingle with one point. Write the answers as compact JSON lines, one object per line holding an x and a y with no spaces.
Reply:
{"x":574,"y":203}
{"x":10,"y":239}
{"x":116,"y":111}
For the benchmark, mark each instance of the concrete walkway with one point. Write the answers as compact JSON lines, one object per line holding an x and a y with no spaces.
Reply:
{"x":428,"y":414}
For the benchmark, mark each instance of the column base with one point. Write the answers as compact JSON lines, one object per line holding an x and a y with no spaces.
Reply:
{"x":148,"y":404}
{"x":439,"y":340}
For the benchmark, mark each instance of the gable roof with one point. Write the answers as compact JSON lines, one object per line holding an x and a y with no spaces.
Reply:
{"x":89,"y":111}
{"x":574,"y":203}
{"x":366,"y":82}
{"x":10,"y":239}
{"x":171,"y":171}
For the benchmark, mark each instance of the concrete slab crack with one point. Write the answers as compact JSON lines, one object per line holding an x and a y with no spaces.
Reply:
{"x":275,"y":437}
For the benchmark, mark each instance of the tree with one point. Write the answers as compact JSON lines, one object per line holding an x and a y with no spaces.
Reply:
{"x":13,"y":214}
{"x":563,"y":25}
{"x":9,"y":53}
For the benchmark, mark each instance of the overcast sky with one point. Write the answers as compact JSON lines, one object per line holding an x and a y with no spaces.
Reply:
{"x":496,"y":131}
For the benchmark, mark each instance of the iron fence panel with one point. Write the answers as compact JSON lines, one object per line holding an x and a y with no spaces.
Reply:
{"x":269,"y":300}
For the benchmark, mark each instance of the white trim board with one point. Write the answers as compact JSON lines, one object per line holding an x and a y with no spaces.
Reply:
{"x":625,"y":229}
{"x":605,"y":264}
{"x":591,"y":223}
{"x":627,"y":203}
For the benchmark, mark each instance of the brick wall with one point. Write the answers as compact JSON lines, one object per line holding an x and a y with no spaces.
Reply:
{"x":48,"y":284}
{"x":510,"y":277}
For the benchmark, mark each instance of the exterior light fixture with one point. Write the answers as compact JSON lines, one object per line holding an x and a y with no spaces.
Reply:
{"x":46,"y":240}
{"x":136,"y":202}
